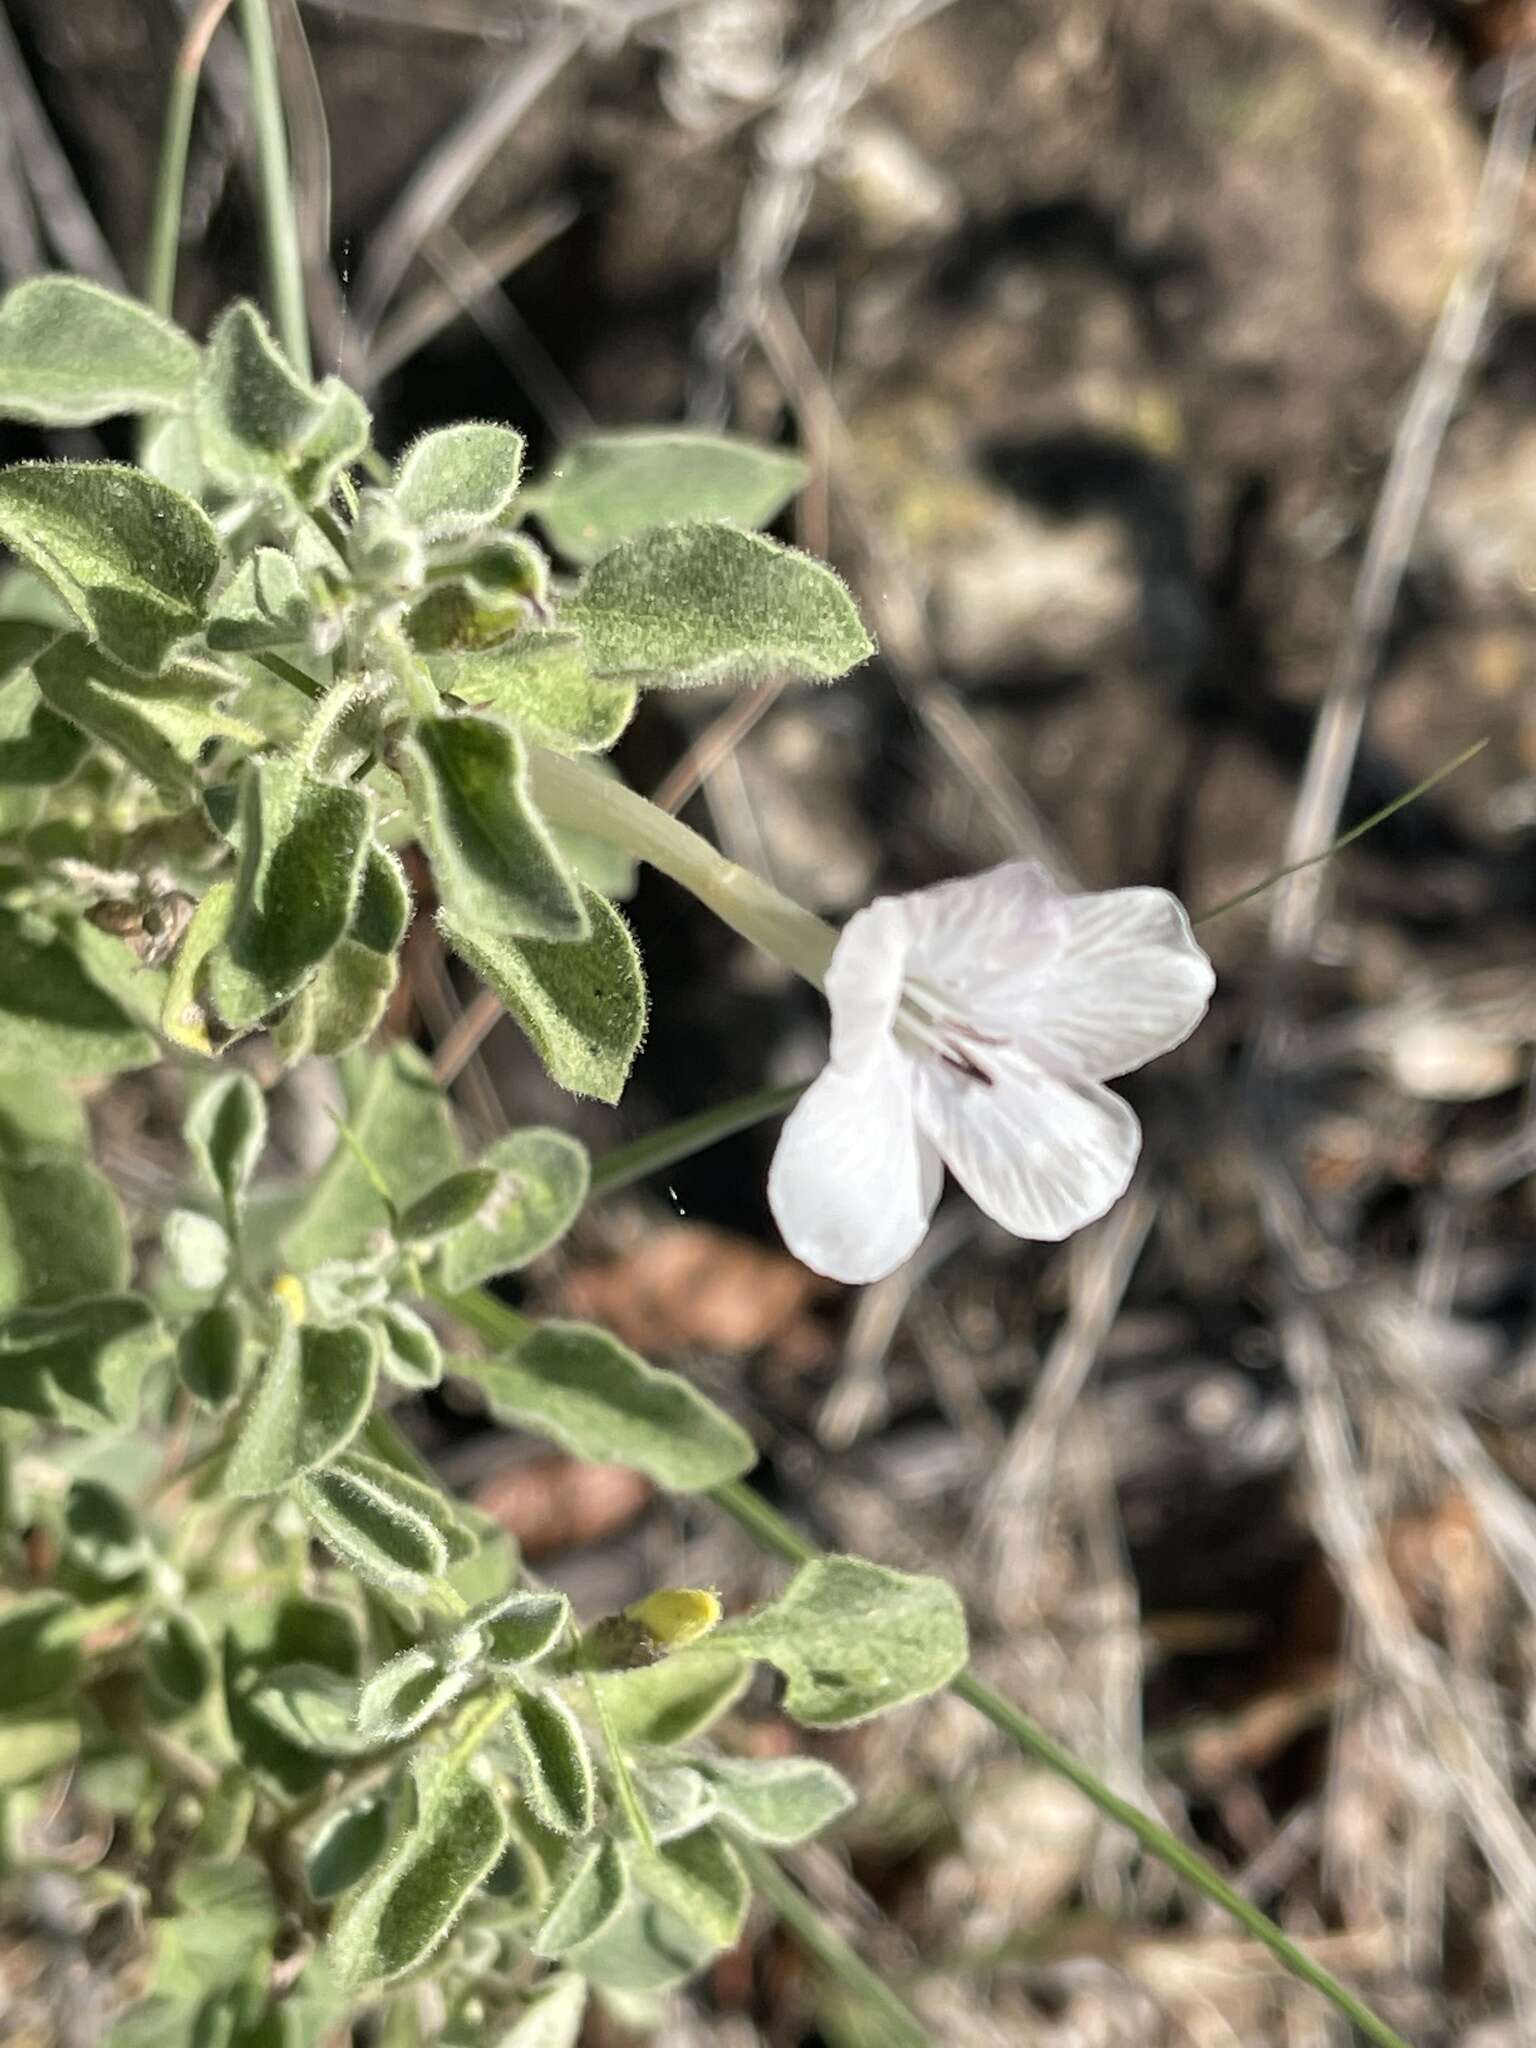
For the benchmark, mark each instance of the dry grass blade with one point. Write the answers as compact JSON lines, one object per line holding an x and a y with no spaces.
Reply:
{"x":1342,"y":1520}
{"x":826,"y":85}
{"x":490,"y":22}
{"x":1007,"y":1526}
{"x":448,"y":171}
{"x":477,"y":291}
{"x":67,"y":221}
{"x":1395,"y":525}
{"x":21,"y":245}
{"x":856,"y":1402}
{"x":887,"y":592}
{"x":436,"y":306}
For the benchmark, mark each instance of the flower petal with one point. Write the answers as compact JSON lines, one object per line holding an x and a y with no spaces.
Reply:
{"x":1130,"y":981}
{"x":853,"y":1182}
{"x":864,"y":981}
{"x":964,"y":934}
{"x":1041,"y":1156}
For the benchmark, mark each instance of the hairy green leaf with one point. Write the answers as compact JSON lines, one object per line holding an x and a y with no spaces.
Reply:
{"x":262,"y":426}
{"x":62,"y":1234}
{"x":701,"y":1880}
{"x":226,"y":1818}
{"x":480,"y":595}
{"x":542,"y":683}
{"x":580,"y":1386}
{"x":54,"y":1018}
{"x":38,"y":749}
{"x":493,"y":861}
{"x":39,"y":1117}
{"x":405,"y":1693}
{"x":645,"y":1948}
{"x":39,"y":1660}
{"x":778,"y":1800}
{"x":460,"y":479}
{"x":590,"y":1891}
{"x":362,"y":1512}
{"x":264,"y":1637}
{"x":81,"y":1363}
{"x":406,"y":1908}
{"x":677,"y":1801}
{"x":226,"y":1129}
{"x":158,"y":724}
{"x":613,"y":487}
{"x":131,"y":558}
{"x":178,"y":1663}
{"x":453,"y":1203}
{"x":303,"y":844}
{"x":582,"y":1004}
{"x":306,"y":1405}
{"x":663,"y":1704}
{"x":222,"y":1919}
{"x":187,"y":1016}
{"x":409,"y":1352}
{"x":555,"y":1771}
{"x":854,"y":1639}
{"x":265,"y":604}
{"x":209,"y":1353}
{"x":517,"y":1629}
{"x":346,"y":1846}
{"x":553,"y":2019}
{"x":693,"y":604}
{"x":72,"y":353}
{"x":540,"y":1183}
{"x":400,"y":1121}
{"x":312,"y":1708}
{"x":102,"y":1533}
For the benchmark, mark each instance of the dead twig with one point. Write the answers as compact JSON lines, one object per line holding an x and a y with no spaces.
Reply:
{"x":438,"y":304}
{"x":1394,"y":528}
{"x":823,"y":89}
{"x":451,"y":167}
{"x":66,"y":220}
{"x":1007,"y":1530}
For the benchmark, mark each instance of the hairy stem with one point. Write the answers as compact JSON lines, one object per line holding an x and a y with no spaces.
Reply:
{"x":569,"y":794}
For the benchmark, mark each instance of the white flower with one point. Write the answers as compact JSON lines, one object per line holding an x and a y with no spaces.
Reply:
{"x":973,"y":1025}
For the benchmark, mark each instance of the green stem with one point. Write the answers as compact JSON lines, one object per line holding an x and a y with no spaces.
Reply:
{"x":626,"y":1164}
{"x":769,"y":1530}
{"x":1356,"y":832}
{"x":279,"y":227}
{"x":497,"y":1324}
{"x":798,"y":1913}
{"x":175,"y":140}
{"x":635,"y":1817}
{"x":569,"y":794}
{"x":287,"y":672}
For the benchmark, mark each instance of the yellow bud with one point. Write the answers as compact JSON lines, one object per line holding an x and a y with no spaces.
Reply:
{"x":288,"y":1288}
{"x":676,"y":1616}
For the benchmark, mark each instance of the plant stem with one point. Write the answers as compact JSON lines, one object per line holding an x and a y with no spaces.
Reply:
{"x":280,"y":234}
{"x":828,"y":1947}
{"x":490,"y":1319}
{"x":171,"y":176}
{"x":1347,"y":839}
{"x":626,"y":1164}
{"x":569,"y":794}
{"x":770,"y":1530}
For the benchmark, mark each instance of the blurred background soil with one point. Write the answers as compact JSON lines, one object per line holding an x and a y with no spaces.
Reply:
{"x":1096,"y":319}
